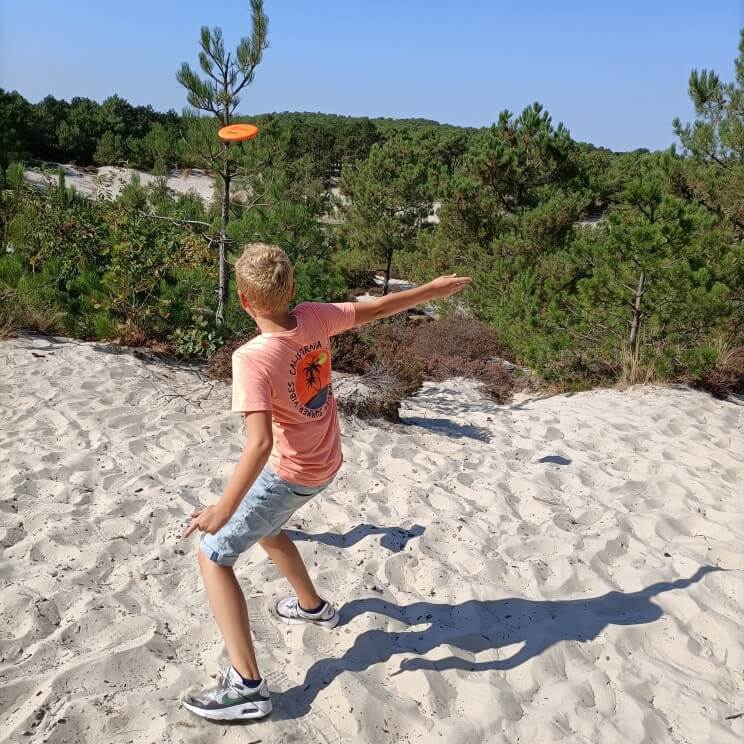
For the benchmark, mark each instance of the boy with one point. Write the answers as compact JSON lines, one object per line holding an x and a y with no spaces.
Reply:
{"x":282,"y":386}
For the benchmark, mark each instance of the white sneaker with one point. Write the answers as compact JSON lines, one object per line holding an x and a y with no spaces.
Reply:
{"x":288,"y":610}
{"x":231,"y":700}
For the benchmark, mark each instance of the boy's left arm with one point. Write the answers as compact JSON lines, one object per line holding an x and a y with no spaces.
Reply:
{"x":256,"y":452}
{"x":384,"y":307}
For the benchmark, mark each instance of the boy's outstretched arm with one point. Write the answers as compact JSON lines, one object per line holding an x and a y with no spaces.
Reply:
{"x":258,"y":444}
{"x":383,"y":307}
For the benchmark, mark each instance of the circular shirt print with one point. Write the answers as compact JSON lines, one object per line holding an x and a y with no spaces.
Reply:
{"x":314,"y":379}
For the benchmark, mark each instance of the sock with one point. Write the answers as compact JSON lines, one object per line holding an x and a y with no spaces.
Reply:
{"x":315,"y":610}
{"x":252,"y":683}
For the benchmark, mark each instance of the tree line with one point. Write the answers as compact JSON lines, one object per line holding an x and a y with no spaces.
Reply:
{"x":87,"y":133}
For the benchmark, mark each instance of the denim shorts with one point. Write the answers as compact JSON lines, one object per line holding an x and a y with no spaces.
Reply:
{"x":264,"y":510}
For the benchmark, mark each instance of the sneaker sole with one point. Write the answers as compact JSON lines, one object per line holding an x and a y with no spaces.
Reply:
{"x":233,"y":713}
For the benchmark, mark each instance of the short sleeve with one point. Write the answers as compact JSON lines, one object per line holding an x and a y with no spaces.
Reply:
{"x":335,"y":317}
{"x":251,"y":390}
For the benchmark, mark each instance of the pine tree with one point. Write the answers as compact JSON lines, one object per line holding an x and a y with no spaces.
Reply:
{"x":227,"y":74}
{"x":649,"y":285}
{"x":14,"y":116}
{"x":390,"y":198}
{"x":715,"y":141}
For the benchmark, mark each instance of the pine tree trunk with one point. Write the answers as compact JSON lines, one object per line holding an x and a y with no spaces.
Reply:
{"x":224,"y":267}
{"x":386,"y":283}
{"x":635,"y":326}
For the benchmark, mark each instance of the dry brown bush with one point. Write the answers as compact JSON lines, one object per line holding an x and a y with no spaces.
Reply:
{"x":495,"y":378}
{"x":727,"y":377}
{"x":130,"y":334}
{"x":455,"y":346}
{"x":455,"y":336}
{"x":375,"y":394}
{"x":352,"y":352}
{"x":410,"y":352}
{"x":220,"y":363}
{"x":16,"y":315}
{"x":721,"y":383}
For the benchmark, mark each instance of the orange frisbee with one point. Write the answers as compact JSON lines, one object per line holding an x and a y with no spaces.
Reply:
{"x":237,"y":132}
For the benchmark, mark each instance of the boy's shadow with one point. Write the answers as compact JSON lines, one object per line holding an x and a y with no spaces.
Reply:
{"x":473,"y":627}
{"x":393,"y":538}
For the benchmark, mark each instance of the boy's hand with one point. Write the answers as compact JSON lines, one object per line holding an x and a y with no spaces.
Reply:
{"x":446,"y":286}
{"x":255,"y":454}
{"x":209,"y":520}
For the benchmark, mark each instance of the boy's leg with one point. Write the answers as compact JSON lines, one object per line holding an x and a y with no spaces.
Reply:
{"x":283,"y":552}
{"x":230,"y":612}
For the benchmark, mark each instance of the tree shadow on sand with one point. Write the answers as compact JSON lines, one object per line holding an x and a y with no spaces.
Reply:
{"x":473,"y":627}
{"x":394,"y":539}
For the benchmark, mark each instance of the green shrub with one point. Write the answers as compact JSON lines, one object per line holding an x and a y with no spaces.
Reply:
{"x":11,"y":270}
{"x":351,"y":261}
{"x":133,"y":195}
{"x":185,"y":296}
{"x":700,"y":360}
{"x":198,"y":342}
{"x":104,"y":325}
{"x":719,"y":366}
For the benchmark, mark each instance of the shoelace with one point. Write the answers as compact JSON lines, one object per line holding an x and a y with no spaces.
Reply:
{"x":293,"y":606}
{"x":232,"y":686}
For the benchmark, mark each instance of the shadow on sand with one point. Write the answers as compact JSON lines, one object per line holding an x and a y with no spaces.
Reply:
{"x":448,"y":428}
{"x":555,"y":460}
{"x":473,"y":627}
{"x":394,"y":539}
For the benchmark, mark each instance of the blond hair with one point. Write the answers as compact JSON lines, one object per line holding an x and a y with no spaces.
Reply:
{"x":264,"y":275}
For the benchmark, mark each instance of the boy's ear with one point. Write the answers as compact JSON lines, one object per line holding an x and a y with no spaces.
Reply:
{"x":245,"y":304}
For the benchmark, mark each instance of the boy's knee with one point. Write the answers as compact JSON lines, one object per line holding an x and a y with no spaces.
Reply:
{"x":272,"y":541}
{"x":205,"y":562}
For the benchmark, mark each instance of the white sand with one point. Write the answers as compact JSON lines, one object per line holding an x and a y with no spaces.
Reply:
{"x":541,"y":594}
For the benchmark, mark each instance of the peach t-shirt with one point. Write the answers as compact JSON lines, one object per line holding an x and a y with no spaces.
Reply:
{"x":289,"y":374}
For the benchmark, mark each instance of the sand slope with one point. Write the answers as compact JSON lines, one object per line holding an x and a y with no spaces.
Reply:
{"x":547,"y":571}
{"x":108,"y":180}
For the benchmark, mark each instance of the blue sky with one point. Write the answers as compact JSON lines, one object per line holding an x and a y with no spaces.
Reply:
{"x":614,"y":72}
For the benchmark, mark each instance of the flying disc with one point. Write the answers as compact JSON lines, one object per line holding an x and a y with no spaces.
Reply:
{"x":237,"y":132}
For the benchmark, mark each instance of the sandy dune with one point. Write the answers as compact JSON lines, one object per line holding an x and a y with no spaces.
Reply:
{"x":556,"y":570}
{"x":108,"y":180}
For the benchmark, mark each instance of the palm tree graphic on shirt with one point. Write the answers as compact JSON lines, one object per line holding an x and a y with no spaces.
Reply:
{"x":316,"y":376}
{"x":312,"y":372}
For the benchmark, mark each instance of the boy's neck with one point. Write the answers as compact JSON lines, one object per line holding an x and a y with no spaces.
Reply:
{"x":276,"y":322}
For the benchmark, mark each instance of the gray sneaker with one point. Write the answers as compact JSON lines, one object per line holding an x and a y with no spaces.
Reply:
{"x":288,"y":610}
{"x":231,"y":700}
